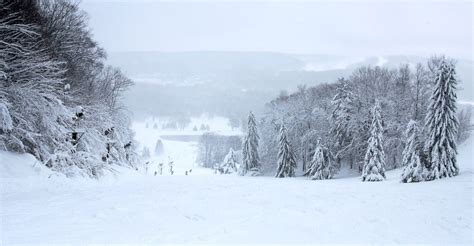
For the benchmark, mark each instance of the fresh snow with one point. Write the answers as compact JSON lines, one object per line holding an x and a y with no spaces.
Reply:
{"x":127,"y":206}
{"x":218,"y":125}
{"x":180,"y":145}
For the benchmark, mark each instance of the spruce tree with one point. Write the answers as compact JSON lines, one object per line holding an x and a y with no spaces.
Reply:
{"x":441,"y":124}
{"x":322,"y":165}
{"x":374,"y":161}
{"x":413,"y":170}
{"x":230,"y":163}
{"x":286,"y":157}
{"x":250,"y":158}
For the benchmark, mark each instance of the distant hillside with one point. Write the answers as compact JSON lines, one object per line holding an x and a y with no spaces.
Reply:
{"x":231,"y":83}
{"x":226,"y":70}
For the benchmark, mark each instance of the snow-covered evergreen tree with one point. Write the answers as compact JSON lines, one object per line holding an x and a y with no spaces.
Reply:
{"x":441,"y":124}
{"x":286,"y":157}
{"x":374,"y":161}
{"x":322,"y":165}
{"x":413,"y":170}
{"x":230,"y":163}
{"x":250,"y":158}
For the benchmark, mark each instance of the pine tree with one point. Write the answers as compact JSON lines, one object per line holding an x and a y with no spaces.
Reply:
{"x":322,"y":165}
{"x":413,"y":170}
{"x":286,"y":157}
{"x":442,"y":124}
{"x":250,"y":158}
{"x":374,"y":161}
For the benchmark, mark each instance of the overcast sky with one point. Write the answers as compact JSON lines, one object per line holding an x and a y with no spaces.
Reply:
{"x":322,"y":27}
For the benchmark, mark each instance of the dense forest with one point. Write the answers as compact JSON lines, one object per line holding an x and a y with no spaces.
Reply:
{"x":371,"y":117}
{"x":59,"y":101}
{"x":341,"y":115}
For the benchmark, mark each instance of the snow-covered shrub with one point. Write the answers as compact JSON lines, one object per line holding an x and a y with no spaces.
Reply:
{"x":230,"y":163}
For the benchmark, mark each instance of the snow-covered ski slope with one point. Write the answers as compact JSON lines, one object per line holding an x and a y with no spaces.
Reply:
{"x":179,"y":145}
{"x":38,"y":207}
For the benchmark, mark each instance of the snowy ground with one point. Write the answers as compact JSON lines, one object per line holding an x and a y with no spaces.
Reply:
{"x":219,"y":125}
{"x":130,"y":207}
{"x":183,"y":153}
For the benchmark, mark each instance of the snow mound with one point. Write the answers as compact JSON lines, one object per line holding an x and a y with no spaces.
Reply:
{"x":21,"y":166}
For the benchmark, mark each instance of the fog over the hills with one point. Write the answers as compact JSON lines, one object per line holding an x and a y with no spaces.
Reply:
{"x":211,"y":55}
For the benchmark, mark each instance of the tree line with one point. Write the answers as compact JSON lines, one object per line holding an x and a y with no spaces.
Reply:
{"x":376,"y":120}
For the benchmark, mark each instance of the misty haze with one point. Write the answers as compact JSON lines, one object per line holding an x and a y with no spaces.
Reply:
{"x":236,"y":122}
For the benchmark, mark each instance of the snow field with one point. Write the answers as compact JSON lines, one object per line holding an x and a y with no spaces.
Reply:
{"x":182,"y":152}
{"x":126,"y":206}
{"x":135,"y":208}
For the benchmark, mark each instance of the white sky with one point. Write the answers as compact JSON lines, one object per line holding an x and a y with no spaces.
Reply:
{"x":319,"y":27}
